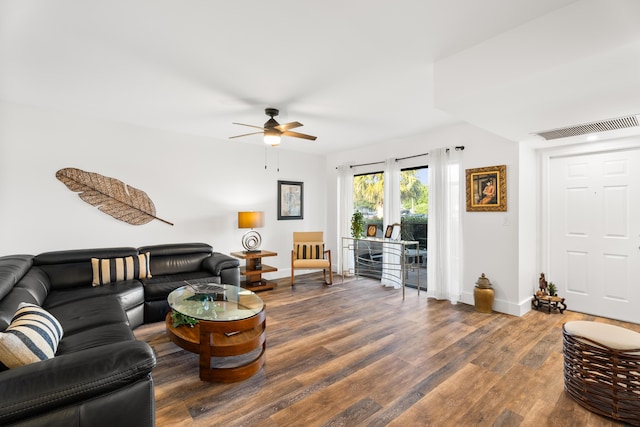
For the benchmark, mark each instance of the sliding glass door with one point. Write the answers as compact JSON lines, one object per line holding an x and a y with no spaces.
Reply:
{"x":414,"y":199}
{"x":368,"y":198}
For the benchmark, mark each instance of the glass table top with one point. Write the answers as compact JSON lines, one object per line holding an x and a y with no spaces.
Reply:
{"x":215,"y":302}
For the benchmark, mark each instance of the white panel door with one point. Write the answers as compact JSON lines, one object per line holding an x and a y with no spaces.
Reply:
{"x":594,"y":232}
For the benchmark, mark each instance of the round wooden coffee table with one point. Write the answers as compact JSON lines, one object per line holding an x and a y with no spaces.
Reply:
{"x":230,"y":335}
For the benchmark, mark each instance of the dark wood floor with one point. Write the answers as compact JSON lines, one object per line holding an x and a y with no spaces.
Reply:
{"x":356,"y":354}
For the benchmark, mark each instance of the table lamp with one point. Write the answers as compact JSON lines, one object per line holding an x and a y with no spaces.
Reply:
{"x":251,"y":239}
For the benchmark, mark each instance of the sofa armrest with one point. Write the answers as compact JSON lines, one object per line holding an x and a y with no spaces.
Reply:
{"x":40,"y":387}
{"x":218,"y":262}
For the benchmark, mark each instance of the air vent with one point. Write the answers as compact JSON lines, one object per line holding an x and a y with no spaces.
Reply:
{"x":587,"y":128}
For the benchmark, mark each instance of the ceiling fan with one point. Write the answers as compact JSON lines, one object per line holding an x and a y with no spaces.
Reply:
{"x":273,"y":131}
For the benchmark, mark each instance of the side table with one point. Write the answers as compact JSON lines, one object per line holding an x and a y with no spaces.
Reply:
{"x":254,"y":269}
{"x":555,"y":302}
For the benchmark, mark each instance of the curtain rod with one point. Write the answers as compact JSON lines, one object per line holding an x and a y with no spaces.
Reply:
{"x":366,"y":164}
{"x":411,"y":157}
{"x":457,"y":148}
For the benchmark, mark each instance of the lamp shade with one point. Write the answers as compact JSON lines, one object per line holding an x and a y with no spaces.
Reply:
{"x":251,"y":219}
{"x":272,"y":137}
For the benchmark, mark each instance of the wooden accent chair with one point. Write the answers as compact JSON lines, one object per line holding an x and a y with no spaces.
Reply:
{"x":309,"y":254}
{"x":602,"y":369}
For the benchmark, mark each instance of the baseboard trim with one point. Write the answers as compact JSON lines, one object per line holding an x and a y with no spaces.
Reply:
{"x":502,"y":306}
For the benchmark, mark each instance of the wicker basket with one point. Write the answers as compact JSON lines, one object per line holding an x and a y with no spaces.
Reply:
{"x":602,"y":379}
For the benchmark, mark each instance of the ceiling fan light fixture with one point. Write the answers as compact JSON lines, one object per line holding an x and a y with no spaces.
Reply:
{"x":272,"y":137}
{"x":272,"y":131}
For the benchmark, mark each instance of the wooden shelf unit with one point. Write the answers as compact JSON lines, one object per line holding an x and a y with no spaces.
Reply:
{"x":254,"y":269}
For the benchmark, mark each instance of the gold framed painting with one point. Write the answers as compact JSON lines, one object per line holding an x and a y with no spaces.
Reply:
{"x":487,"y":189}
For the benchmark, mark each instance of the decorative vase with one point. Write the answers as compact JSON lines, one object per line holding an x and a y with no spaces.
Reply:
{"x":483,"y":295}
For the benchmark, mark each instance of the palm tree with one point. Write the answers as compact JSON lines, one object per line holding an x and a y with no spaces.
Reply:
{"x":410,"y":187}
{"x":368,"y":190}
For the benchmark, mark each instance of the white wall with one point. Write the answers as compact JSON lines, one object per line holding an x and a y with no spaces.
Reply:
{"x":197,"y":183}
{"x":528,"y":226}
{"x":490,"y":238}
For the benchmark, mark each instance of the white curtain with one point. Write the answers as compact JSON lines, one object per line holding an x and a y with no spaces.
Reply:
{"x":345,"y":211}
{"x":391,"y":274}
{"x":444,"y":247}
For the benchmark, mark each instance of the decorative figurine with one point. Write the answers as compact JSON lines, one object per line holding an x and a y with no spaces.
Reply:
{"x":542,"y":284}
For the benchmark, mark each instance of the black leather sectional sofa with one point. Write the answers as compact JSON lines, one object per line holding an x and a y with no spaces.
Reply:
{"x":100,"y":374}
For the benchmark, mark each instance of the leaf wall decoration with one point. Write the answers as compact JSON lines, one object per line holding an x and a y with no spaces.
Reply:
{"x":111,"y":196}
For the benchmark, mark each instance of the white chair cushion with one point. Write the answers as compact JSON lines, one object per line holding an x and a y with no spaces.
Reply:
{"x":611,"y":336}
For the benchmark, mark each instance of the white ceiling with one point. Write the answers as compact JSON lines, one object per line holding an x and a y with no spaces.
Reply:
{"x":354,"y":72}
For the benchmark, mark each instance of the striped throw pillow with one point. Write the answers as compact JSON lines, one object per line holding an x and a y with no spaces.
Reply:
{"x":32,"y":336}
{"x":313,"y":250}
{"x":109,"y":270}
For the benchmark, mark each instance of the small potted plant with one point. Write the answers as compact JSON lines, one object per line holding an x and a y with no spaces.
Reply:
{"x":357,"y":225}
{"x":551,"y":288}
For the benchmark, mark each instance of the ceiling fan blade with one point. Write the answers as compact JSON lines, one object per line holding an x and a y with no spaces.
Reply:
{"x":246,"y":134}
{"x":251,"y":126}
{"x":286,"y":126}
{"x":299,"y":135}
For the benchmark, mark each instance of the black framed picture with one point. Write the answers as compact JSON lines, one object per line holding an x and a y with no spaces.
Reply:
{"x":290,"y":200}
{"x":389,"y":232}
